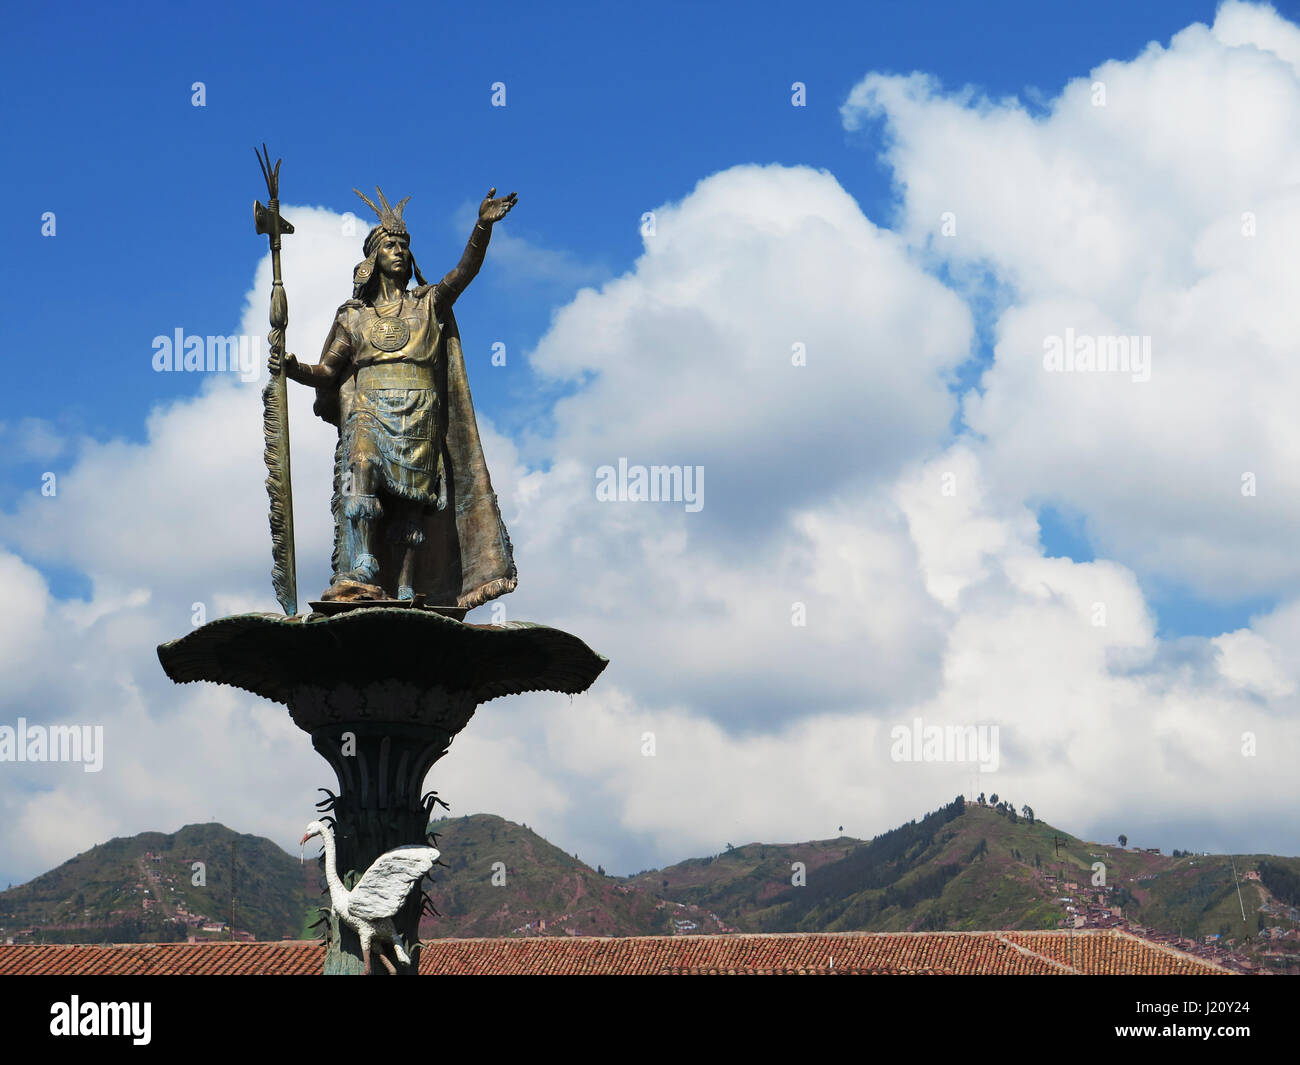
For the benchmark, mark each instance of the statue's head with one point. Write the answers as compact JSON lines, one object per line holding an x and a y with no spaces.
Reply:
{"x":387,"y":249}
{"x":392,"y":252}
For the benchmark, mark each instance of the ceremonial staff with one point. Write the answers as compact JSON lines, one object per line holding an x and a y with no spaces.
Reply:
{"x":275,"y":401}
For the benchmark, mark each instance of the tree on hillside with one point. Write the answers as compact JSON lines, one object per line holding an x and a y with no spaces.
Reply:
{"x":960,"y":804}
{"x":1123,"y":840}
{"x":994,"y":798}
{"x":1028,"y":811}
{"x":981,"y":799}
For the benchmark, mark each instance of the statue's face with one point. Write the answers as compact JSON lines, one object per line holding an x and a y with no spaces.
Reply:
{"x":394,"y":256}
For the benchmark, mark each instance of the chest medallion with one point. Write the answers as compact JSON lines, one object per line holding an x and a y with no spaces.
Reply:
{"x":390,"y":334}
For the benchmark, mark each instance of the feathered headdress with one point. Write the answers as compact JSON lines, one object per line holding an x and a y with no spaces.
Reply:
{"x":390,"y":221}
{"x":390,"y":218}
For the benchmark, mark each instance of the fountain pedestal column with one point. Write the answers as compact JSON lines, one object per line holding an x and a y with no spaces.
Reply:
{"x":382,"y":692}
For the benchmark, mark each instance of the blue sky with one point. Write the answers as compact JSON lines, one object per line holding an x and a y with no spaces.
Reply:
{"x":777,"y":223}
{"x":610,"y":111}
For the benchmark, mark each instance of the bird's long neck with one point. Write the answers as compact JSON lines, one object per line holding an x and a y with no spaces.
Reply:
{"x":338,"y":893}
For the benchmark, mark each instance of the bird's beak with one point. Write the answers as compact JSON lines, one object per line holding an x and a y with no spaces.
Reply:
{"x":303,"y":842}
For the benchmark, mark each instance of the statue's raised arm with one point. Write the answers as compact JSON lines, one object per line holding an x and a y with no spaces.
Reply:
{"x":490,"y":211}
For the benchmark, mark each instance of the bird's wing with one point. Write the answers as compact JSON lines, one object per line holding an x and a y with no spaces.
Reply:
{"x":385,"y":885}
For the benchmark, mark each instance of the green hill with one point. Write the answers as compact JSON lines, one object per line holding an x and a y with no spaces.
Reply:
{"x":966,"y":866}
{"x":973,"y":867}
{"x":503,"y":879}
{"x":955,"y":868}
{"x":141,"y":889}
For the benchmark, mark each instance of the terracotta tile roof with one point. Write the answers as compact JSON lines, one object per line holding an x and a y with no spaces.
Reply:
{"x":1091,"y":951}
{"x":292,"y":958}
{"x":1120,"y":954}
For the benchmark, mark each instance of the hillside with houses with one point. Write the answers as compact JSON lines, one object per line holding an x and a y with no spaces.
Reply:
{"x":968,"y":866}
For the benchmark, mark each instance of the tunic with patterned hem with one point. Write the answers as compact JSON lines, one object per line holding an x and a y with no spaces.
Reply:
{"x":391,"y":409}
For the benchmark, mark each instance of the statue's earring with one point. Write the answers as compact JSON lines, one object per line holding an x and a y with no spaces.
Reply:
{"x":362,"y":274}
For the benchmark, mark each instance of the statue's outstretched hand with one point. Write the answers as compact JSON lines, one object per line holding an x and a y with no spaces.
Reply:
{"x":491,"y":210}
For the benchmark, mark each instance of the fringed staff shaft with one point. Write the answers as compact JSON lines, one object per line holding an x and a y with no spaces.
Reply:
{"x":275,"y":402}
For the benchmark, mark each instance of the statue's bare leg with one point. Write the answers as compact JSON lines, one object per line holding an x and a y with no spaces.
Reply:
{"x":383,"y":956}
{"x":410,"y":534}
{"x":363,"y":510}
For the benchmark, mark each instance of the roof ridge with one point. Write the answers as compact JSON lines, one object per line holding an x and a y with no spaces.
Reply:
{"x":852,"y":934}
{"x":1177,"y":952}
{"x":1040,"y":957}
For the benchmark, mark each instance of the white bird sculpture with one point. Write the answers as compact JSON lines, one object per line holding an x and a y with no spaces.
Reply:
{"x":369,"y":907}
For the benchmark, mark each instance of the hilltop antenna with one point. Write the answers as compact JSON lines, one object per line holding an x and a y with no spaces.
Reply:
{"x":1238,"y":883}
{"x":233,"y":843}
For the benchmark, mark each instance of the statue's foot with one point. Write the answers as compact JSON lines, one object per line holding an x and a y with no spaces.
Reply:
{"x":363,"y":570}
